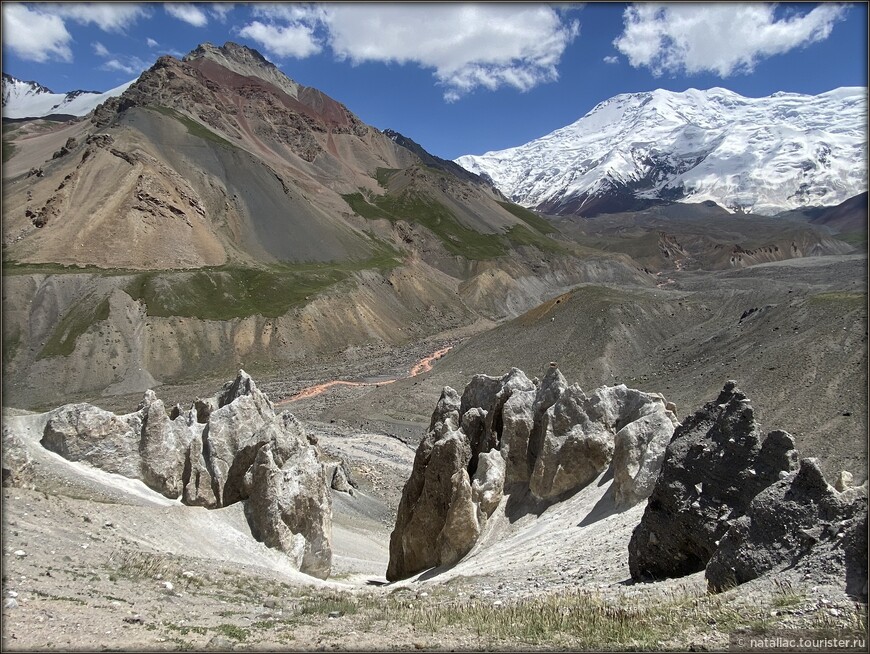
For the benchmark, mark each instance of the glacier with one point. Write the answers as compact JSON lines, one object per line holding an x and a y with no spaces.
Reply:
{"x":755,"y":155}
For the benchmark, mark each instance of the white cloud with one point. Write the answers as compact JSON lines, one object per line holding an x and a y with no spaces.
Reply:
{"x":188,"y":13}
{"x":290,"y":12}
{"x":108,"y":16}
{"x":611,"y":59}
{"x":467,"y":46}
{"x":151,"y":42}
{"x":220,"y":10}
{"x":725,"y":39}
{"x":114,"y":64}
{"x":100,"y":50}
{"x":34,"y":35}
{"x":287,"y":41}
{"x":125,"y":64}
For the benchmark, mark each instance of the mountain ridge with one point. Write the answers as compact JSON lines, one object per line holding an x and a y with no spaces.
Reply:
{"x":756,"y":155}
{"x":251,"y":219}
{"x":27,"y":99}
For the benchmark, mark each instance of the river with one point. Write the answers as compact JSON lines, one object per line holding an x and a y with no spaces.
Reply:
{"x":423,"y":365}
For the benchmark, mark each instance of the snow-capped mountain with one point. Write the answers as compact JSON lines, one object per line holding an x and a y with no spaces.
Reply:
{"x":760,"y":155}
{"x":32,"y":100}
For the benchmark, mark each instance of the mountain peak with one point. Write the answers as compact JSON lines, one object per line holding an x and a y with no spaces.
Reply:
{"x":245,"y":61}
{"x":760,"y":155}
{"x":230,"y":50}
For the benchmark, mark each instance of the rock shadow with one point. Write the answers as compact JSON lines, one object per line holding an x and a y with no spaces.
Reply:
{"x":604,"y":508}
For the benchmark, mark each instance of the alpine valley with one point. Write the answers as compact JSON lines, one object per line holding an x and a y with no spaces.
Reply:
{"x":263,"y":371}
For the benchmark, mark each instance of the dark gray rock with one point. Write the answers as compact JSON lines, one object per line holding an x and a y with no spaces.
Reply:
{"x":715,"y":464}
{"x":800,"y":521}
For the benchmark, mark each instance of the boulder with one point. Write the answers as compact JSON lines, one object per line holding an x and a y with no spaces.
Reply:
{"x":439,"y":517}
{"x":716,"y":462}
{"x":461,"y":526}
{"x":483,"y":400}
{"x":284,"y":433}
{"x":800,"y":521}
{"x":436,"y":483}
{"x":638,"y":452}
{"x":242,"y":410}
{"x":17,"y":461}
{"x":518,"y":421}
{"x":487,"y":487}
{"x":228,"y":448}
{"x":510,"y":435}
{"x":198,"y":489}
{"x":844,"y":480}
{"x":445,"y":417}
{"x":163,"y":446}
{"x":289,"y":507}
{"x":548,"y":393}
{"x":855,"y":552}
{"x":582,"y":436}
{"x":576,"y":448}
{"x":83,"y":432}
{"x":338,"y":477}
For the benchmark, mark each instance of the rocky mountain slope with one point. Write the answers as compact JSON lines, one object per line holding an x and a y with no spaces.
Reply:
{"x":758,"y":155}
{"x":218,"y":207}
{"x":32,"y":100}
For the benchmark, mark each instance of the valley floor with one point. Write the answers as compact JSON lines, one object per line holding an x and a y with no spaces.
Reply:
{"x":95,"y":562}
{"x":100,"y":576}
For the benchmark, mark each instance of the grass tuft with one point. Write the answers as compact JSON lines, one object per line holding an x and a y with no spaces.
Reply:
{"x":9,"y":149}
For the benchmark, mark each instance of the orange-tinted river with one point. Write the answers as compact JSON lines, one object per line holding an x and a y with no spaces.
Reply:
{"x":423,"y":365}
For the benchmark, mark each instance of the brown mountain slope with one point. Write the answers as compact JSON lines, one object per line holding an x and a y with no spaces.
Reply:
{"x":228,"y":160}
{"x":223,"y":213}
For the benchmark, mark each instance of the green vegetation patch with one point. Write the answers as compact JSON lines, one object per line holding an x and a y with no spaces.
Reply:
{"x":384,"y":175}
{"x":857,"y":239}
{"x":232,"y":631}
{"x":11,"y":342}
{"x":11,"y":267}
{"x":193,"y":127}
{"x":326,"y":604}
{"x":519,"y":235}
{"x":227,"y":293}
{"x":76,"y":322}
{"x":840,"y":297}
{"x":530,"y":217}
{"x":366,"y":209}
{"x":9,"y":149}
{"x":433,"y":215}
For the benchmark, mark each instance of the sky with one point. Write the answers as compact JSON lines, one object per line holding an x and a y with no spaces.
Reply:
{"x":458,"y":78}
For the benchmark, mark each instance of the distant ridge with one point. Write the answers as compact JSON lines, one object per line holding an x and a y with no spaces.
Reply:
{"x":756,"y":155}
{"x":24,"y":99}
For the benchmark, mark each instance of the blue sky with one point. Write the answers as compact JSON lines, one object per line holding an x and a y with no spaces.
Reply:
{"x":459,"y":78}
